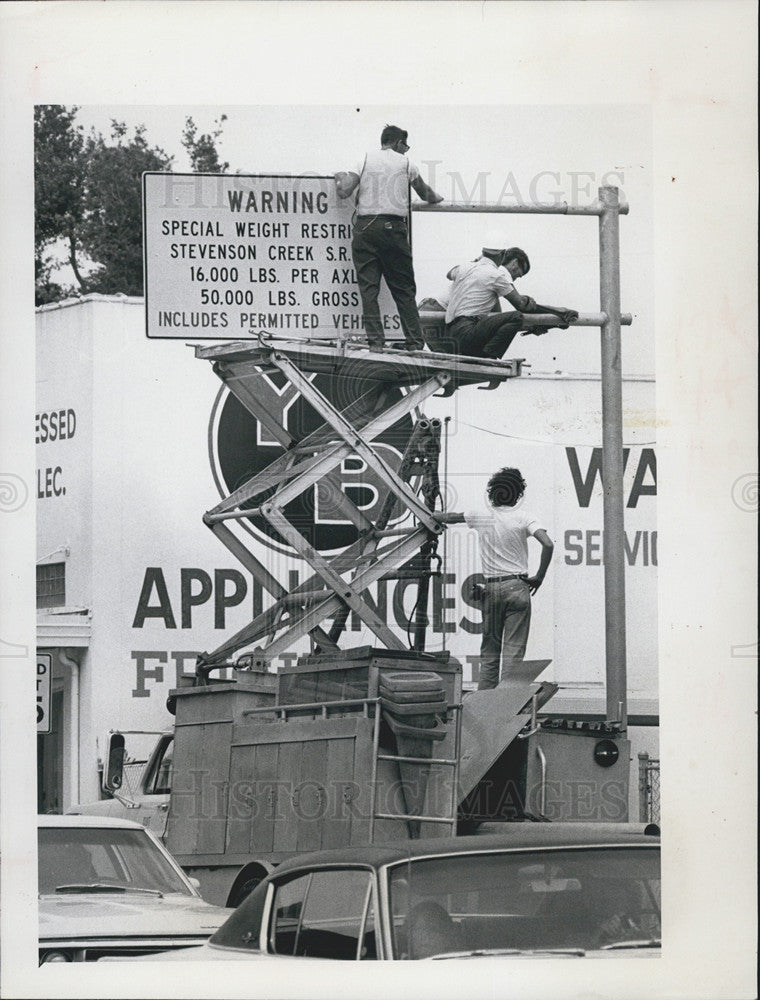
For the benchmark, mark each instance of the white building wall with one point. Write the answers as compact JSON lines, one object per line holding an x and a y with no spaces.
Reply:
{"x":64,"y":465}
{"x":64,"y":492}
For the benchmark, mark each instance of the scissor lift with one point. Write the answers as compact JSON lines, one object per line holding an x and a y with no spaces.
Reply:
{"x":336,"y":586}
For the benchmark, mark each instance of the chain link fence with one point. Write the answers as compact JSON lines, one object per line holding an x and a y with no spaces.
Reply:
{"x":132,"y":776}
{"x":649,"y":789}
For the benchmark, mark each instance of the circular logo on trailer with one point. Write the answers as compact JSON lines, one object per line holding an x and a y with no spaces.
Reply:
{"x":241,"y":447}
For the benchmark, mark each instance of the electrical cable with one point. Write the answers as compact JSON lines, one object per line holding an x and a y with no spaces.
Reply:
{"x":515,"y":437}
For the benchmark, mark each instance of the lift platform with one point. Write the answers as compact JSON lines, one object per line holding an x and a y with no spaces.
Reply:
{"x":345,"y":358}
{"x":392,"y":385}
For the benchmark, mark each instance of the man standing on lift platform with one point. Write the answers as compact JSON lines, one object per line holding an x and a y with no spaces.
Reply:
{"x":380,"y":245}
{"x":503,"y":541}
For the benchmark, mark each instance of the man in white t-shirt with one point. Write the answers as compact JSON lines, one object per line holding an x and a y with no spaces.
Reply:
{"x":475,"y":324}
{"x":503,"y":533}
{"x":380,"y":244}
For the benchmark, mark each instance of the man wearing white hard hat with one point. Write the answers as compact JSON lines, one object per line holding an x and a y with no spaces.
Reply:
{"x":475,"y":324}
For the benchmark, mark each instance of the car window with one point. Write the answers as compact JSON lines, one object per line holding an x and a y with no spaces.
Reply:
{"x":163,"y":782}
{"x":83,"y":857}
{"x":325,"y":914}
{"x":160,"y":779}
{"x":588,"y":898}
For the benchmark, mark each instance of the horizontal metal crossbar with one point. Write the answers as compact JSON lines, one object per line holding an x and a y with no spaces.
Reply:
{"x":536,"y":319}
{"x":417,"y":760}
{"x":312,"y":706}
{"x":497,"y":208}
{"x":304,"y":597}
{"x":418,"y":819}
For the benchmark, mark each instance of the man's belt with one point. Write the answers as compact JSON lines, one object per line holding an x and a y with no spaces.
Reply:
{"x":511,"y":576}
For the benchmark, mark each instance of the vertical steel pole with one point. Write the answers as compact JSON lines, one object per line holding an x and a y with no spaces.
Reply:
{"x":612,"y":466}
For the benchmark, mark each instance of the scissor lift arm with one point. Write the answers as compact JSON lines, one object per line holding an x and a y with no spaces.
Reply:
{"x":377,"y":552}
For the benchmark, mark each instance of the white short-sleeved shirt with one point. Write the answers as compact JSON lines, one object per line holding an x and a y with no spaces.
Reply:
{"x":384,"y":179}
{"x":476,"y":288}
{"x":503,"y":538}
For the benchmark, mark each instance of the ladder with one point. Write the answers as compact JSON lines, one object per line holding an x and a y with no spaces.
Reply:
{"x":336,"y":586}
{"x":414,"y":820}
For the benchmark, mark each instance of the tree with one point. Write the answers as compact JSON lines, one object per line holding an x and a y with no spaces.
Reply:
{"x":88,"y":199}
{"x":59,"y":169}
{"x":201,"y":149}
{"x":111,"y":229}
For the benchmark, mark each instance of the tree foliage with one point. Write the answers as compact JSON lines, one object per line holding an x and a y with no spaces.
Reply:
{"x":202,"y":148}
{"x":111,"y":229}
{"x":88,"y":199}
{"x":59,"y":169}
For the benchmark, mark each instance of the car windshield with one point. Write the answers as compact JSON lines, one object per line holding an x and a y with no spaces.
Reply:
{"x":127,"y":860}
{"x":574,"y":900}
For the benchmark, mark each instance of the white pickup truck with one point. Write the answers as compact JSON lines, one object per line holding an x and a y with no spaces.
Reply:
{"x":148,"y":803}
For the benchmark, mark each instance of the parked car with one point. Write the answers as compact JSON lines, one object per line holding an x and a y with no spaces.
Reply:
{"x":108,"y":887}
{"x":532,"y":889}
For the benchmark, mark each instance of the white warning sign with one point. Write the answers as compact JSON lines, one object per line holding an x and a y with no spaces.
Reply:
{"x":44,"y":685}
{"x":228,"y":256}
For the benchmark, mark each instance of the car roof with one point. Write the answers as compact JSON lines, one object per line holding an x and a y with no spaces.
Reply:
{"x":89,"y":822}
{"x":511,"y":836}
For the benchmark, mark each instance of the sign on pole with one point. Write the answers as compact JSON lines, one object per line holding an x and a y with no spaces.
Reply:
{"x":228,"y":256}
{"x":44,"y":685}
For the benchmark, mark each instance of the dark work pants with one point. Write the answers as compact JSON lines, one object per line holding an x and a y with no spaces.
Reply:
{"x":506,"y":623}
{"x":483,"y":336}
{"x":380,"y":249}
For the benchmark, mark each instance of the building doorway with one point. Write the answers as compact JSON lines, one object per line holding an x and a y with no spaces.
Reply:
{"x":50,"y":760}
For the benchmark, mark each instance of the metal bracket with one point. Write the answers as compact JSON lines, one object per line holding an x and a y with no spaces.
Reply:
{"x":490,"y":386}
{"x":534,"y":727}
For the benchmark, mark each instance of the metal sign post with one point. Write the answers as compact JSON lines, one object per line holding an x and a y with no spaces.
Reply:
{"x":608,"y":208}
{"x":612,"y":449}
